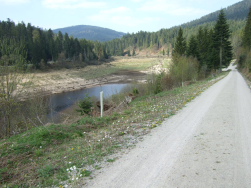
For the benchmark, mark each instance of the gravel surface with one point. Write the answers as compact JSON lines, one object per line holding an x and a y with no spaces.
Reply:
{"x":206,"y":144}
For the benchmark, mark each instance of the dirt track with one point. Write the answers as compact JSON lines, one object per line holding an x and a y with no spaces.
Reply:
{"x":207,"y":144}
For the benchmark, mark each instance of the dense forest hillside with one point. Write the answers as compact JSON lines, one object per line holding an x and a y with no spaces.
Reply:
{"x":37,"y":47}
{"x":91,"y":33}
{"x":238,"y":11}
{"x":162,"y":42}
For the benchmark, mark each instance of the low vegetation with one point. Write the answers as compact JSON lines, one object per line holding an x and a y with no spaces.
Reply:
{"x":63,"y":154}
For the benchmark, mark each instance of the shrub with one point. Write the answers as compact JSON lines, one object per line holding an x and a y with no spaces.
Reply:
{"x":244,"y":61}
{"x":135,"y":91}
{"x":184,"y":69}
{"x":159,"y":84}
{"x":85,"y":106}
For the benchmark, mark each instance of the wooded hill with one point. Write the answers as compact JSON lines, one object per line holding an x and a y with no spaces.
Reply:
{"x":93,"y":33}
{"x":238,"y":11}
{"x":163,"y":40}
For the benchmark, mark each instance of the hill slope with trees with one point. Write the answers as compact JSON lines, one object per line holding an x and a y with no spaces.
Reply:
{"x":237,"y":11}
{"x":93,"y":33}
{"x":42,"y":46}
{"x":163,"y":41}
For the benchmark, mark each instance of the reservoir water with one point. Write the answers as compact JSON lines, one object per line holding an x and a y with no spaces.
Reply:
{"x":62,"y":101}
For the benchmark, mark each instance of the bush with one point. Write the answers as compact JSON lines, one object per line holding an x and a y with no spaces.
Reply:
{"x":244,"y":61}
{"x":135,"y":91}
{"x":159,"y":84}
{"x":184,"y":69}
{"x":85,"y":106}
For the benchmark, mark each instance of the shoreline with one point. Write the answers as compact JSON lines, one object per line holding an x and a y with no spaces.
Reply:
{"x":66,"y":80}
{"x":64,"y":86}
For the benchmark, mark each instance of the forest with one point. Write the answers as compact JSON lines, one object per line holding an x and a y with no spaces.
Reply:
{"x":238,"y":11}
{"x":44,"y":49}
{"x":40,"y":47}
{"x":165,"y":39}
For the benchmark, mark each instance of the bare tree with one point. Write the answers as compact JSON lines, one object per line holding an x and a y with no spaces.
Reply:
{"x":12,"y":58}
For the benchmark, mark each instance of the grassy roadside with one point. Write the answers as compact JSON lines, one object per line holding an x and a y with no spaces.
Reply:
{"x":60,"y":155}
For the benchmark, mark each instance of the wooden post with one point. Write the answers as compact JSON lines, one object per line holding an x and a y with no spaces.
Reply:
{"x":101,"y":103}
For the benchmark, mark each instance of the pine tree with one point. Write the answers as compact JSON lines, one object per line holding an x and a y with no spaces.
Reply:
{"x":51,"y":51}
{"x":202,"y":46}
{"x":180,"y":44}
{"x":246,"y":39}
{"x":59,"y":42}
{"x":211,"y":52}
{"x":67,"y":45}
{"x":221,"y":42}
{"x":192,"y":49}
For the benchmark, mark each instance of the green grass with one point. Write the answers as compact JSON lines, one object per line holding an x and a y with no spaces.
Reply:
{"x":42,"y":155}
{"x":111,"y":160}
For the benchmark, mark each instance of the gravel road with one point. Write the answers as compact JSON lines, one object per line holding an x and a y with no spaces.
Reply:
{"x":206,"y":144}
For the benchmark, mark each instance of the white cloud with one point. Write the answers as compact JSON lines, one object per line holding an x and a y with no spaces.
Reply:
{"x":119,"y":10}
{"x":171,"y":7}
{"x":112,"y":14}
{"x":128,"y":21}
{"x":157,"y":5}
{"x":14,"y":2}
{"x":137,"y":1}
{"x":123,"y":17}
{"x":72,"y":4}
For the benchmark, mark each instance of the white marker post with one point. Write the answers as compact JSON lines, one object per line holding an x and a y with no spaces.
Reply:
{"x":101,"y":103}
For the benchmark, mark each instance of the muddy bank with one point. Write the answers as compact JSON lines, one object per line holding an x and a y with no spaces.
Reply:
{"x":120,"y":71}
{"x":50,"y":86}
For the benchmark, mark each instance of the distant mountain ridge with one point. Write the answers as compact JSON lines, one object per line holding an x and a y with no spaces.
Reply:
{"x":237,"y":11}
{"x":93,"y":33}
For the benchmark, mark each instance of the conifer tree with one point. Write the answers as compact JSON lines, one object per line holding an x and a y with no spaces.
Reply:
{"x":59,"y":42}
{"x":50,"y":45}
{"x":180,"y":44}
{"x":211,"y":51}
{"x":192,"y":49}
{"x":202,"y":38}
{"x":221,"y":42}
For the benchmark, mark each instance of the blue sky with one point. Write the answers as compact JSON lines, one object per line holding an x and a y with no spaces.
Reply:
{"x":126,"y":16}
